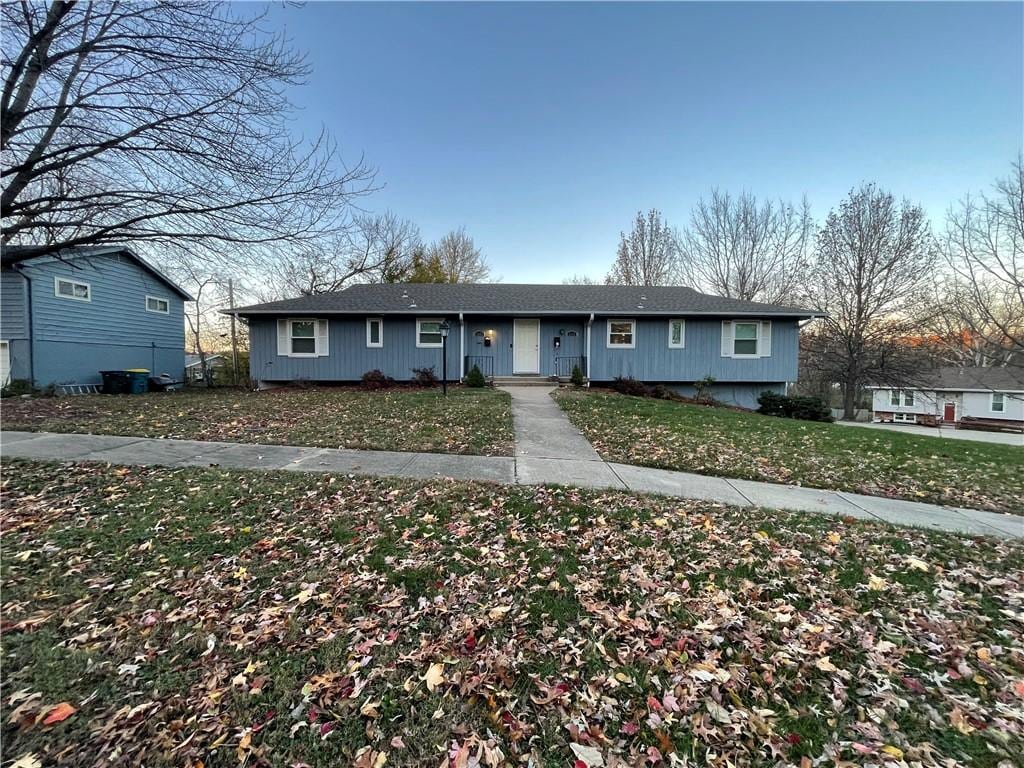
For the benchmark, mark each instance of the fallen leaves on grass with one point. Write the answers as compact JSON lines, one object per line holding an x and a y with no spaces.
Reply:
{"x":279,"y":619}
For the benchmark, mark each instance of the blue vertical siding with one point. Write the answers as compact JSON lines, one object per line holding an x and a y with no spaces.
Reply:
{"x":348,"y":356}
{"x":653,"y":360}
{"x":650,"y":360}
{"x":73,"y":340}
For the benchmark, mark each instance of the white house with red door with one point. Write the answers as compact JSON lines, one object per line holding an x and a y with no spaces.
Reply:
{"x":967,"y":398}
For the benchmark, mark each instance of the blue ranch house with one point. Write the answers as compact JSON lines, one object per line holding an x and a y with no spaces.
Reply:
{"x":671,"y":335}
{"x":66,"y":316}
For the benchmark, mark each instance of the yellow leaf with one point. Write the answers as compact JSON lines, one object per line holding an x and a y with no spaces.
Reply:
{"x":984,"y":654}
{"x":892,"y":751}
{"x":304,"y":596}
{"x":498,"y":612}
{"x":834,"y":538}
{"x":917,"y":565}
{"x":876,"y":583}
{"x":434,"y":676}
{"x":28,"y":760}
{"x":825,"y":665}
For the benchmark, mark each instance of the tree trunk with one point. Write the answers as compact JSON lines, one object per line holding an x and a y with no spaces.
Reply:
{"x":850,"y":390}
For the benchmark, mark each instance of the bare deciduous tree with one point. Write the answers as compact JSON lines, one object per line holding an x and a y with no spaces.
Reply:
{"x":376,"y":249}
{"x":746,"y":249}
{"x":452,"y":259}
{"x":982,"y":302}
{"x":647,"y":255}
{"x":579,"y":280}
{"x":874,"y":260}
{"x":159,"y":122}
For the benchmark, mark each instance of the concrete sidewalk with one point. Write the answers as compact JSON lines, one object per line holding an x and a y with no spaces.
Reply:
{"x":947,"y":433}
{"x":527,"y":470}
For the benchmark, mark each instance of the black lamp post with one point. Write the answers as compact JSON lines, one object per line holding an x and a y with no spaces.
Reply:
{"x":444,"y":356}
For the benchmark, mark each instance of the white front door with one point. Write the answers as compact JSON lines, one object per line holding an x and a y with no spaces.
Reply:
{"x":526,"y":346}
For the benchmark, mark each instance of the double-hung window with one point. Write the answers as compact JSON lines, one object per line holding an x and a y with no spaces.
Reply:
{"x":676,"y":334}
{"x":302,"y":337}
{"x":156,"y":304}
{"x":621,"y":334}
{"x":428,"y":332}
{"x":998,"y":404}
{"x":894,"y":398}
{"x":744,"y":340}
{"x":72,"y":289}
{"x":374,"y":332}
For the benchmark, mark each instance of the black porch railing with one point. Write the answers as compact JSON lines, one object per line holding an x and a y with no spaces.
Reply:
{"x":564,"y":366}
{"x":484,"y":362}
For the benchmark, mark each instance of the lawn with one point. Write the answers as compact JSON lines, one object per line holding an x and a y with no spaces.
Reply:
{"x":732,"y":443}
{"x":205,"y":617}
{"x":474,"y":421}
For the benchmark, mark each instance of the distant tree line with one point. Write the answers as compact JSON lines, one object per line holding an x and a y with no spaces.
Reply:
{"x":897,"y":297}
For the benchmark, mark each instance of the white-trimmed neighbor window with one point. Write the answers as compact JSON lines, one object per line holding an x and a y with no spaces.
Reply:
{"x":157,"y":304}
{"x":71,"y":289}
{"x":676,"y":334}
{"x":998,"y":404}
{"x":428,"y":332}
{"x":302,"y":337}
{"x":374,"y":332}
{"x":622,"y":334}
{"x":746,"y":338}
{"x":894,"y":398}
{"x":907,"y":417}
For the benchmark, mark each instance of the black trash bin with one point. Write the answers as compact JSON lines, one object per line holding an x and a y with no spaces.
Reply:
{"x":116,"y":382}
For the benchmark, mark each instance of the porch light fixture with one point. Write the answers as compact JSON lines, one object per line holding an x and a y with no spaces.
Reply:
{"x":444,"y":328}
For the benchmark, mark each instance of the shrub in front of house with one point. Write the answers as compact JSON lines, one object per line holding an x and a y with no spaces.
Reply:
{"x":627,"y":385}
{"x":801,"y":407}
{"x":376,"y":379}
{"x":424,"y":377}
{"x":577,"y":376}
{"x":475,"y":378}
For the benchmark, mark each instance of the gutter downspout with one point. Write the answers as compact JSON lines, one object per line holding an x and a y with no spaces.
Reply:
{"x":31,"y":330}
{"x":590,"y":322}
{"x":462,"y":347}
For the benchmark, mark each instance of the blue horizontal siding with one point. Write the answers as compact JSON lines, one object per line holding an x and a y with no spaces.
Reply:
{"x":64,"y":362}
{"x":13,"y":306}
{"x":73,"y":340}
{"x":651,"y":360}
{"x":743,"y":395}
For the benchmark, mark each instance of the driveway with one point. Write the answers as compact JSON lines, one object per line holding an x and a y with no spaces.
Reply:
{"x":1003,"y":438}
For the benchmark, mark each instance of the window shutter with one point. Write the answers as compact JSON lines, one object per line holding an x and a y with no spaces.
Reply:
{"x":764,"y":346}
{"x":282,"y":337}
{"x":321,"y":338}
{"x":727,"y":338}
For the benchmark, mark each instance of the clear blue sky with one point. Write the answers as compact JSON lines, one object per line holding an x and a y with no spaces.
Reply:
{"x":543,"y":128}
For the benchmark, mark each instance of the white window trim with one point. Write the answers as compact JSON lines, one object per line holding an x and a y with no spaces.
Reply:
{"x":608,"y":333}
{"x":682,"y":333}
{"x":894,"y":394}
{"x":291,"y":322}
{"x":380,"y":333}
{"x":992,"y":403}
{"x":905,"y":417}
{"x":57,"y":280}
{"x":166,"y":301}
{"x":419,"y":324}
{"x":911,"y":396}
{"x":757,"y":339}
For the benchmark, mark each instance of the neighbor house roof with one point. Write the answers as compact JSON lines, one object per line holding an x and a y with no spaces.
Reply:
{"x":16,"y":254}
{"x":192,"y":359}
{"x":953,"y":379}
{"x":506,"y":298}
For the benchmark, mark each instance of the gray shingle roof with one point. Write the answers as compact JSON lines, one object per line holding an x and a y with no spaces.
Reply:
{"x":953,"y":379}
{"x":506,"y":298}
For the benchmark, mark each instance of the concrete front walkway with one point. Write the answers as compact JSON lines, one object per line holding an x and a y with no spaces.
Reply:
{"x":501,"y":469}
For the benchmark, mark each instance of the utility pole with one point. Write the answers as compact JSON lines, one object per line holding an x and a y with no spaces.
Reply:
{"x":234,"y":337}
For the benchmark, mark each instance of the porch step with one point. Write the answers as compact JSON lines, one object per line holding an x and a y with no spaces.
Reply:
{"x":524,"y":381}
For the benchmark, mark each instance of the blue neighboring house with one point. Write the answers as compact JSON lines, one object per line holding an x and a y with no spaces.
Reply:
{"x":66,"y":316}
{"x":671,"y":335}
